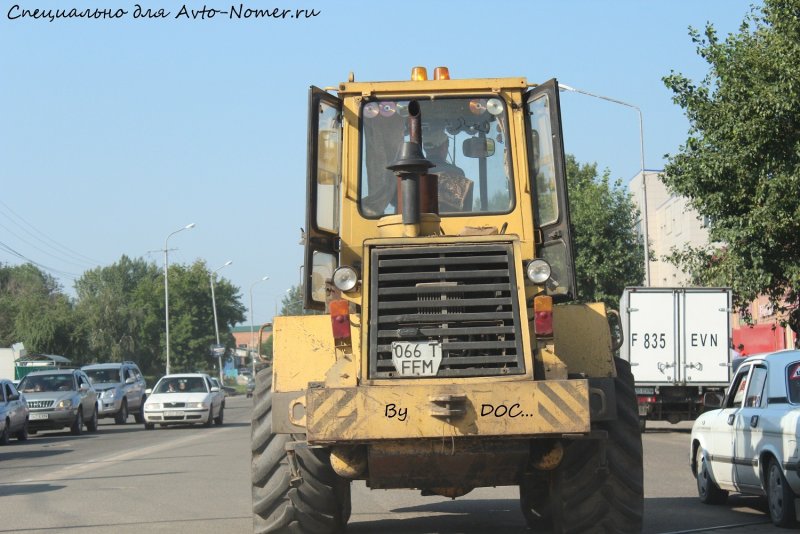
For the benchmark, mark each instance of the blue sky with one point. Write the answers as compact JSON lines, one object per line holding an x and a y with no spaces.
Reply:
{"x":115,"y":133}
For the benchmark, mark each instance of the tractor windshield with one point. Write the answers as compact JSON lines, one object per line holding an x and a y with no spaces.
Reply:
{"x":465,"y":138}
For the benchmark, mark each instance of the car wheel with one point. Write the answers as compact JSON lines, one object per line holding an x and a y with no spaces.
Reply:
{"x":642,"y":424}
{"x":218,"y":420}
{"x":210,"y":417}
{"x":22,"y":435}
{"x":149,"y":426}
{"x":5,"y":437}
{"x":139,"y":416}
{"x":707,"y":489}
{"x":780,"y":497}
{"x":77,"y":425}
{"x":91,"y":425}
{"x":122,"y":415}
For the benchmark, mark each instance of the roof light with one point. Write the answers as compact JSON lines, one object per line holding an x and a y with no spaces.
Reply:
{"x":419,"y":74}
{"x":441,"y":73}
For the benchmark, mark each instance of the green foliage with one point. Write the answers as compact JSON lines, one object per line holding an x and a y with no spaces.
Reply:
{"x":608,"y":251}
{"x":740,"y":165}
{"x":34,"y":311}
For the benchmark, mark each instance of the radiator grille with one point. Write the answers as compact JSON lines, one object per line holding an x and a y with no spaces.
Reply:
{"x":464,"y":296}
{"x":38,"y":404}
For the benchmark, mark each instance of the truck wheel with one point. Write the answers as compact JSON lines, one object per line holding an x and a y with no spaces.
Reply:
{"x":534,"y":499}
{"x":603,"y":491}
{"x":318,"y":502}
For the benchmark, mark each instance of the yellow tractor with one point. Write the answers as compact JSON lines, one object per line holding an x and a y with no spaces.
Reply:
{"x":450,"y":354}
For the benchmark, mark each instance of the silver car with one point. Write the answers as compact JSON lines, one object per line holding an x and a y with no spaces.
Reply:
{"x":59,"y":399}
{"x":13,"y":413}
{"x":120,"y":390}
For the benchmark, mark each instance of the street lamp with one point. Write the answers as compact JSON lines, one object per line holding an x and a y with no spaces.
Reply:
{"x":166,"y":281}
{"x":641,"y":163}
{"x":252,"y":335}
{"x":211,"y":278}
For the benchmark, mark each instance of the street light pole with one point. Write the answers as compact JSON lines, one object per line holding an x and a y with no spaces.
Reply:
{"x":166,"y":282}
{"x":252,"y":338}
{"x":216,"y":325}
{"x":645,"y":228}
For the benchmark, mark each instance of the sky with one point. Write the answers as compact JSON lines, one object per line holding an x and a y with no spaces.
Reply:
{"x":116,"y":132}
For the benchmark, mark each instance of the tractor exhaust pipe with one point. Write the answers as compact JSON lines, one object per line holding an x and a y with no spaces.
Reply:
{"x":409,"y":168}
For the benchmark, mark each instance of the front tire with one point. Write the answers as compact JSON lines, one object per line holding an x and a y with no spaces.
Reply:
{"x":77,"y":425}
{"x":210,"y":417}
{"x":5,"y":437}
{"x":22,"y":435}
{"x":122,"y":415}
{"x":149,"y":426}
{"x":139,"y":416}
{"x":318,"y":502}
{"x":603,"y":491}
{"x":220,"y":417}
{"x":707,"y":489}
{"x":780,"y":497}
{"x":91,"y":425}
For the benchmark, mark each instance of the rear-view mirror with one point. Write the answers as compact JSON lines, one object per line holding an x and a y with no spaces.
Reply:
{"x":476,"y":147}
{"x":712,"y":400}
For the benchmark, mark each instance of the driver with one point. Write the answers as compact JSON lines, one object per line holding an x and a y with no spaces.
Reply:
{"x":436,"y":144}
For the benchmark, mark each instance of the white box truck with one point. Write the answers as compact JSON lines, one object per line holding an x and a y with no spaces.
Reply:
{"x":678,"y":343}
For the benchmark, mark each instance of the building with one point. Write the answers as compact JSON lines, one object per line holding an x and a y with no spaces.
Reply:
{"x":246,"y":339}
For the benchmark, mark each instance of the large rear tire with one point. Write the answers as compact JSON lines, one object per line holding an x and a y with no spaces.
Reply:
{"x":318,"y":502}
{"x":591,"y":495}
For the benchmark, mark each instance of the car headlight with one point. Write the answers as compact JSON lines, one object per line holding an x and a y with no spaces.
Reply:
{"x":538,"y":271}
{"x":64,"y":404}
{"x":152,"y":406}
{"x":345,"y":278}
{"x":196,"y":405}
{"x":109,"y":394}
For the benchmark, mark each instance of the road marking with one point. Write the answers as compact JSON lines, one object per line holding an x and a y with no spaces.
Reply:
{"x":716,"y":527}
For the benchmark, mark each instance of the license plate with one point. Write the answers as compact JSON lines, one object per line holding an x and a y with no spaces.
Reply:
{"x":416,"y":358}
{"x":173,"y":414}
{"x":645,"y":391}
{"x":37,"y":416}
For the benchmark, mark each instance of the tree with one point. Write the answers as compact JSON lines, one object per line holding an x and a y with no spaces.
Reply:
{"x":120,"y":312}
{"x":34,"y":311}
{"x":609,"y":254}
{"x":740,"y":166}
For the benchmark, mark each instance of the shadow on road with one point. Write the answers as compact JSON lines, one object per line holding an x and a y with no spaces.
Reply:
{"x":26,"y":489}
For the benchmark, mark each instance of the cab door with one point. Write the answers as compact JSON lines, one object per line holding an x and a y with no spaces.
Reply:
{"x":323,"y":207}
{"x":548,"y":185}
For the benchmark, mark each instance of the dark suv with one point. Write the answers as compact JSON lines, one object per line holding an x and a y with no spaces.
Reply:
{"x":120,"y":390}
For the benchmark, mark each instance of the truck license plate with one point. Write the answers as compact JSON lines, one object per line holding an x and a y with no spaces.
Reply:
{"x":416,"y":358}
{"x":37,"y":416}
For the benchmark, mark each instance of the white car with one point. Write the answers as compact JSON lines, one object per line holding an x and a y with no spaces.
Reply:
{"x":181,"y":399}
{"x":750,"y":444}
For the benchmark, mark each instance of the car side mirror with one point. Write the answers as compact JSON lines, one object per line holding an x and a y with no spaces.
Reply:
{"x":148,"y":391}
{"x":214,"y":389}
{"x":84,"y":387}
{"x":13,"y":397}
{"x":712,"y":400}
{"x":130,"y":380}
{"x":476,"y":147}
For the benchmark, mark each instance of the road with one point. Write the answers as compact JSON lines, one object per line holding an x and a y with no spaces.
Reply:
{"x":194,"y":479}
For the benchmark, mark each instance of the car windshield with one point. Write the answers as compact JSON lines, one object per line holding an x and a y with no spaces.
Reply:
{"x":192,"y":384}
{"x":465,"y":138}
{"x":35,"y":384}
{"x":98,"y":376}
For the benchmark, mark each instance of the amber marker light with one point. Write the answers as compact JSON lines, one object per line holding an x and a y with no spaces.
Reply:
{"x":340,"y":319}
{"x":419,"y":74}
{"x":543,"y":315}
{"x":441,"y":73}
